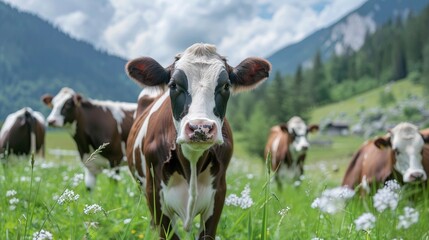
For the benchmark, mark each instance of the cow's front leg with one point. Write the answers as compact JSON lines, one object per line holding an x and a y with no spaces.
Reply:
{"x":209,"y":222}
{"x":90,"y":179}
{"x":163,"y":222}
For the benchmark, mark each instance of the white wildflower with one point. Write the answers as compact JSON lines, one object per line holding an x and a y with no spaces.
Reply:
{"x":11,"y":193}
{"x":333,"y":200}
{"x":91,"y":224}
{"x":92,"y":209}
{"x":245,"y":201}
{"x":47,"y":165}
{"x":12,"y":207}
{"x":365,"y":222}
{"x":67,"y":196}
{"x":13,"y":201}
{"x":250,"y":176}
{"x":42,"y":234}
{"x":284,"y":211}
{"x":76,"y":179}
{"x":126,"y":221}
{"x":393,"y":185}
{"x":410,"y":217}
{"x":130,"y":192}
{"x":316,"y":238}
{"x":385,"y":198}
{"x":297,"y":183}
{"x":111,"y":173}
{"x":2,"y":178}
{"x":24,"y":179}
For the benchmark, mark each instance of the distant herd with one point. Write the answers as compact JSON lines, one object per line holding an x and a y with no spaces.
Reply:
{"x":177,"y":141}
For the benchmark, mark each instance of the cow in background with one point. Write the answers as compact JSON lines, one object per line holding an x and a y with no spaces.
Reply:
{"x":179,"y":148}
{"x":400,"y":155}
{"x":288,"y":145}
{"x":93,"y":123}
{"x":23,"y":133}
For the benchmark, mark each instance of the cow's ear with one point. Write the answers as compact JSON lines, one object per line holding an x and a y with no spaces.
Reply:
{"x":313,"y":128}
{"x":147,"y":71}
{"x":249,"y":74}
{"x":283,"y":127}
{"x":425,"y":138}
{"x":47,"y":100}
{"x":77,"y":99}
{"x":382,"y":142}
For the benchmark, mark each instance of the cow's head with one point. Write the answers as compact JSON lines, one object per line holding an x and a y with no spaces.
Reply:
{"x":63,"y":107}
{"x":406,"y":144}
{"x":21,"y":118}
{"x":200,"y":83}
{"x":298,"y":131}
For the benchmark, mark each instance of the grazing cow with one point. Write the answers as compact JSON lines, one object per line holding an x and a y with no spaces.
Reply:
{"x":93,"y":123}
{"x":288,"y":146}
{"x":398,"y":155}
{"x":23,"y":133}
{"x":179,"y":148}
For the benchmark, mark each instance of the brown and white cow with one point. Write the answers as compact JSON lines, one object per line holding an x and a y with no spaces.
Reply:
{"x":180,"y":147}
{"x":23,"y":133}
{"x":93,"y":123}
{"x":398,"y":155}
{"x":288,"y":145}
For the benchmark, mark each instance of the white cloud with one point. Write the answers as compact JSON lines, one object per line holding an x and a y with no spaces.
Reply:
{"x":162,"y":28}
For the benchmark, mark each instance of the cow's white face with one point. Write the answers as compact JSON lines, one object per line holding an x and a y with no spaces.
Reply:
{"x":62,"y":108}
{"x":407,"y":144}
{"x":299,"y":130}
{"x":199,"y":92}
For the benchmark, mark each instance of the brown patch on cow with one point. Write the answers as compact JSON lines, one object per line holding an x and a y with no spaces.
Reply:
{"x":374,"y":161}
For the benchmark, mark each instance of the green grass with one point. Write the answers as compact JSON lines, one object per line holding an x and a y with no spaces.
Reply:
{"x":37,"y":209}
{"x":401,"y":90}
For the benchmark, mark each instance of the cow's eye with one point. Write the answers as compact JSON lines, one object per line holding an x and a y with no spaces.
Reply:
{"x":396,"y":151}
{"x":172,"y":85}
{"x":226,"y":86}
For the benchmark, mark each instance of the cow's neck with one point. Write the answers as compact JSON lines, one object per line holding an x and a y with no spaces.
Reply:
{"x":82,"y":132}
{"x":192,"y":162}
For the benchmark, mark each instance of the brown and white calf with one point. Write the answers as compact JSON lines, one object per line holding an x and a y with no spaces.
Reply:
{"x":399,"y":155}
{"x":288,"y":145}
{"x":179,"y":148}
{"x":23,"y":133}
{"x":93,"y":123}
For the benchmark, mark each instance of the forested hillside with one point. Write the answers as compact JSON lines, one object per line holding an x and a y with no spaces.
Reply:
{"x":398,"y":49}
{"x":347,"y":33}
{"x":36,"y":58}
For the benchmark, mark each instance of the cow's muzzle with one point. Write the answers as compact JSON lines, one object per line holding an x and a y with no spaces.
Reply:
{"x":200,"y":131}
{"x":415,"y":176}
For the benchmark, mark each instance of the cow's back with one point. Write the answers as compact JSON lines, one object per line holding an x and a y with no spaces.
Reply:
{"x":369,"y":162}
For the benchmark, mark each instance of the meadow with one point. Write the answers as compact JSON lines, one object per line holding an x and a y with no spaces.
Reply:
{"x":49,"y":198}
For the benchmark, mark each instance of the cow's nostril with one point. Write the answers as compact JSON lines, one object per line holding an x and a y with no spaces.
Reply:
{"x":417,"y":176}
{"x":193,"y":127}
{"x":209,"y":127}
{"x":51,"y":122}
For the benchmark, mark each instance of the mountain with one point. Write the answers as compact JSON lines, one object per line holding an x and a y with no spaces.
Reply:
{"x":347,"y":33}
{"x":37,"y":58}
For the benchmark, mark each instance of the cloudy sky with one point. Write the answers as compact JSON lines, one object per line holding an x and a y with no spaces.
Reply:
{"x":162,"y":28}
